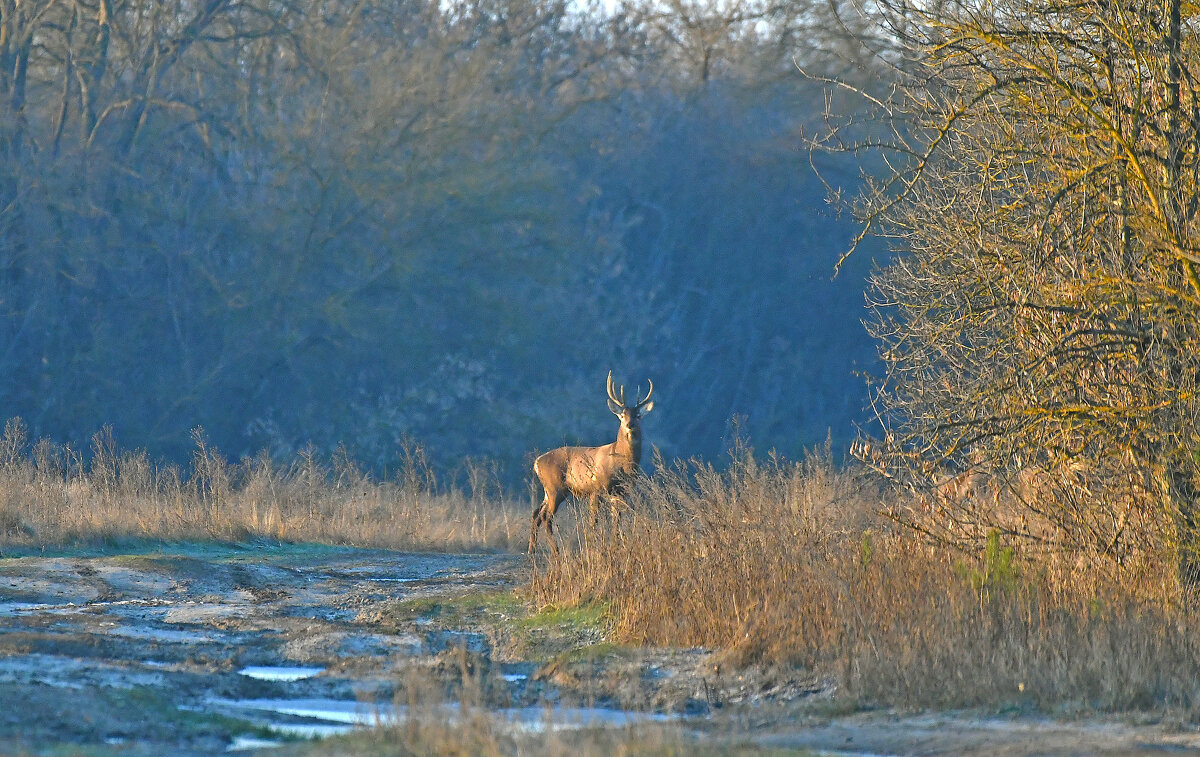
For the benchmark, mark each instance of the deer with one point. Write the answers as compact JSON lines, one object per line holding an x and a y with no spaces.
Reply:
{"x":592,"y":472}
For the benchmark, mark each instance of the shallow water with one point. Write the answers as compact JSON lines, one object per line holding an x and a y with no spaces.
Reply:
{"x":169,"y":635}
{"x":67,"y":672}
{"x":279,"y":673}
{"x":349,"y":712}
{"x":355,"y":713}
{"x":248,"y":743}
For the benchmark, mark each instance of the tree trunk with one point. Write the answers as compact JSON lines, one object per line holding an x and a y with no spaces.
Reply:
{"x":1186,"y":505}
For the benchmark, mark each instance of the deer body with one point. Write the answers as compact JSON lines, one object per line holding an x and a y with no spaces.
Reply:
{"x":591,"y":472}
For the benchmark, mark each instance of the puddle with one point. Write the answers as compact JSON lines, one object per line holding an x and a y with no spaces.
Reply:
{"x":181,"y":632}
{"x":247,"y":743}
{"x":207,"y":612}
{"x":72,"y":673}
{"x":542,"y":719}
{"x":346,"y":714}
{"x":279,"y":673}
{"x":163,"y":635}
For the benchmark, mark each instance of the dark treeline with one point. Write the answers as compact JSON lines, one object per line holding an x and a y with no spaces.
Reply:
{"x":363,"y":221}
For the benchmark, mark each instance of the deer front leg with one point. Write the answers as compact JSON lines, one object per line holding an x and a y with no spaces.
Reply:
{"x":550,"y":535}
{"x":617,"y":504}
{"x":594,"y":508}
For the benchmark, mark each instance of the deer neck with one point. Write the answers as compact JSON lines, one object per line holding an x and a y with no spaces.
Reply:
{"x":629,"y":445}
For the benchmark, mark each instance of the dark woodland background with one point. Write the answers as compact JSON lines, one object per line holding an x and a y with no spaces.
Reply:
{"x":365,"y":223}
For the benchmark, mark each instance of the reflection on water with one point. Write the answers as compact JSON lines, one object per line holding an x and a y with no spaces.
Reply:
{"x":351,"y":713}
{"x":247,"y":743}
{"x":279,"y":673}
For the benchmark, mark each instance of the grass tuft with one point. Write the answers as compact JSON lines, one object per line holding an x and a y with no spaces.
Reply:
{"x":52,"y":495}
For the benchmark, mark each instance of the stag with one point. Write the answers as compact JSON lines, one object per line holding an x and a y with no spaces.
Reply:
{"x":592,"y":472}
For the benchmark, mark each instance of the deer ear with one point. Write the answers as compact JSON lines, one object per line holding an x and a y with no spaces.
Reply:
{"x":646,"y":408}
{"x":614,"y":408}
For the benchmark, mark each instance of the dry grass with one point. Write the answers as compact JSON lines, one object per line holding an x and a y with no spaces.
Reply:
{"x":790,"y":564}
{"x":55,"y":495}
{"x":772,"y":563}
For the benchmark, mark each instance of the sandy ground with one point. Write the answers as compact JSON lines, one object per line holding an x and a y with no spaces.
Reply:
{"x":198,"y":649}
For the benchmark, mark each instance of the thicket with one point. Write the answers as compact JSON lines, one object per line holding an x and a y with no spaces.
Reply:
{"x":797,"y":565}
{"x":1040,"y":326}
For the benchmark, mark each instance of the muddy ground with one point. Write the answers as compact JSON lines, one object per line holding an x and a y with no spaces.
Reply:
{"x":200,"y":649}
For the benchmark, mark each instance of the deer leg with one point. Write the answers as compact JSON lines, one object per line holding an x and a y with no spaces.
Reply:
{"x":616,"y":503}
{"x":533,"y":528}
{"x":594,"y":508}
{"x":550,"y":536}
{"x":547,"y":518}
{"x":542,"y":516}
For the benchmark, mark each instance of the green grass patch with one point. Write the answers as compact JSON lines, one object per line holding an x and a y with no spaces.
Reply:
{"x":469,"y":609}
{"x":169,"y":720}
{"x":575,"y":633}
{"x":257,"y":550}
{"x":176,"y":566}
{"x":588,"y":616}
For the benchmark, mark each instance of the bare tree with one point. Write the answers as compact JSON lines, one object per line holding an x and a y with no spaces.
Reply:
{"x":1042,"y":317}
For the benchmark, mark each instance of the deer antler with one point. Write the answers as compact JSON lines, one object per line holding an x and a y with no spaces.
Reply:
{"x":612,"y":392}
{"x":645,"y":399}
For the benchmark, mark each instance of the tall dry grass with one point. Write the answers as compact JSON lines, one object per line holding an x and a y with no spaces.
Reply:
{"x":791,"y":563}
{"x":51,"y":494}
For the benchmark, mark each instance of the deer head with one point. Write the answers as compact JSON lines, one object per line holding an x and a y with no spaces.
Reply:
{"x":630,"y":433}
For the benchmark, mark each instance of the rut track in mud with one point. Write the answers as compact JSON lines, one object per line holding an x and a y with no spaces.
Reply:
{"x":196,"y":649}
{"x":162,"y":648}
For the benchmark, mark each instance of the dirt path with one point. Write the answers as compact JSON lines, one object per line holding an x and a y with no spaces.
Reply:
{"x":156,"y":649}
{"x":196,"y":649}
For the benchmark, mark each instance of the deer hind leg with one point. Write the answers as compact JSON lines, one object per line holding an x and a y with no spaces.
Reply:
{"x":543,"y":514}
{"x":533,"y":528}
{"x":547,"y":517}
{"x":538,"y":518}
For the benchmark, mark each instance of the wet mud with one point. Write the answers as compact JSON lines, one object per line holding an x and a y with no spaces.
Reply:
{"x":203,"y":649}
